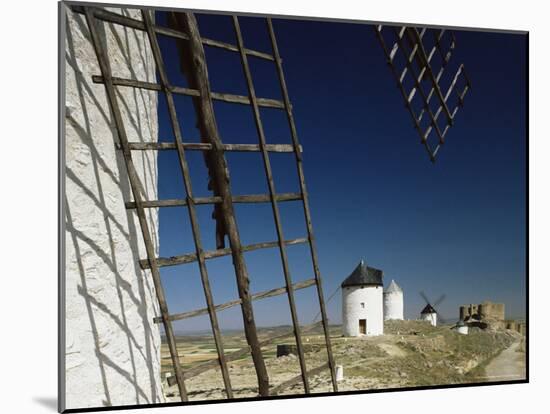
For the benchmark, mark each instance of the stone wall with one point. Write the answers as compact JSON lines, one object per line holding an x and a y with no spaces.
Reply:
{"x":490,"y":310}
{"x":492,"y":313}
{"x":112,"y":347}
{"x":516,"y":325}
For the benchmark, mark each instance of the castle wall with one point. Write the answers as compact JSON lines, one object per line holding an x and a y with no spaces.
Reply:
{"x":483,"y":311}
{"x":112,"y":347}
{"x":489,"y":310}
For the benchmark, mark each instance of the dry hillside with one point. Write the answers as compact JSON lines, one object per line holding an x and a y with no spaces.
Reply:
{"x":411,"y":353}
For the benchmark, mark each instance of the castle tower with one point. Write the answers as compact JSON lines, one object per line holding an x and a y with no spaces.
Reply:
{"x":362,"y":303}
{"x":393,"y":302}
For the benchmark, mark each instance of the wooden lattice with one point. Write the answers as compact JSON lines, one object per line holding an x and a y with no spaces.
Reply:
{"x":419,"y":70}
{"x":223,"y":199}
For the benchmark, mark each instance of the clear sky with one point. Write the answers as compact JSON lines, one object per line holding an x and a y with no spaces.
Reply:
{"x":456,"y":227}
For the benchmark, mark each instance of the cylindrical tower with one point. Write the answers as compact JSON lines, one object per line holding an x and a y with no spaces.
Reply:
{"x":429,"y":314}
{"x":362,"y":303}
{"x":393,"y":302}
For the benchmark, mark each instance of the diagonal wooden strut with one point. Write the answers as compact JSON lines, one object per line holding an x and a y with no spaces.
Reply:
{"x":305,"y":202}
{"x":275,"y":208}
{"x":137,"y":191}
{"x":192,"y":53}
{"x":190,"y":203}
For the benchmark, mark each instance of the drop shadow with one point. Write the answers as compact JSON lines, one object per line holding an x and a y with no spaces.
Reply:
{"x":47,"y":402}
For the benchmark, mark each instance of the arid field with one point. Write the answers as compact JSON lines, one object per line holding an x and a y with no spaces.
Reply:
{"x":409,"y":354}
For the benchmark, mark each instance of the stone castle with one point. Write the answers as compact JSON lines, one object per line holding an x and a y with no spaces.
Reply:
{"x":485,"y":310}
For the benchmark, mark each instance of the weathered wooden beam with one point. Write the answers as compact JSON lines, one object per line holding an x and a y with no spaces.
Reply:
{"x":184,"y":167}
{"x":202,"y":146}
{"x":240,"y":353}
{"x":137,"y":189}
{"x":252,"y":198}
{"x":273,"y":198}
{"x":224,"y":97}
{"x":195,"y":69}
{"x":260,"y":295}
{"x":295,"y":380}
{"x":211,"y":254}
{"x":233,"y":48}
{"x":305,"y":201}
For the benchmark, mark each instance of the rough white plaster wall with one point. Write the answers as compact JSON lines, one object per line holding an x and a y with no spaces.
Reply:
{"x":430,"y":317}
{"x":393,"y":305}
{"x":371,"y":296}
{"x":112,"y":346}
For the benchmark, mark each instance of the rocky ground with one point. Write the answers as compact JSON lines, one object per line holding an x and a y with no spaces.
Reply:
{"x":410,"y":353}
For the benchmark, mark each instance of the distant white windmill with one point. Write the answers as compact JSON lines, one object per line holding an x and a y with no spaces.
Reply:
{"x":428,"y":313}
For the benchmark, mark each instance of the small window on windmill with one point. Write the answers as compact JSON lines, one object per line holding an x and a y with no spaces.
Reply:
{"x":362,"y":305}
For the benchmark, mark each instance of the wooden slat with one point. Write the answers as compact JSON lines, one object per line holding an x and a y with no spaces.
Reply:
{"x":261,"y":295}
{"x":233,"y":48}
{"x":243,"y":100}
{"x":276,"y":214}
{"x":111,"y":17}
{"x":224,"y":97}
{"x":137,"y":190}
{"x":191,"y":207}
{"x":211,"y":254}
{"x":116,"y":18}
{"x":315,"y":371}
{"x":305,"y":201}
{"x":240,"y":353}
{"x":252,"y":198}
{"x":203,"y":146}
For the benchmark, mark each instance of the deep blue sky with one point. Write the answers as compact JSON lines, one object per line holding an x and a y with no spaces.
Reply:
{"x":456,"y":227}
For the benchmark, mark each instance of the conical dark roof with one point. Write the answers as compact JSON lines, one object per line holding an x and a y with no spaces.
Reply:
{"x":428,"y":309}
{"x":364,"y":275}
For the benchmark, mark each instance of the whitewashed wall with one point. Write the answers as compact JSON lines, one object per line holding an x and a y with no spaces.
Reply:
{"x":112,"y":346}
{"x":393,"y":305}
{"x":430,"y":317}
{"x":352,"y":311}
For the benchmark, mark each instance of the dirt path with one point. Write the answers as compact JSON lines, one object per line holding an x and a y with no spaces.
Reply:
{"x":508,"y":365}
